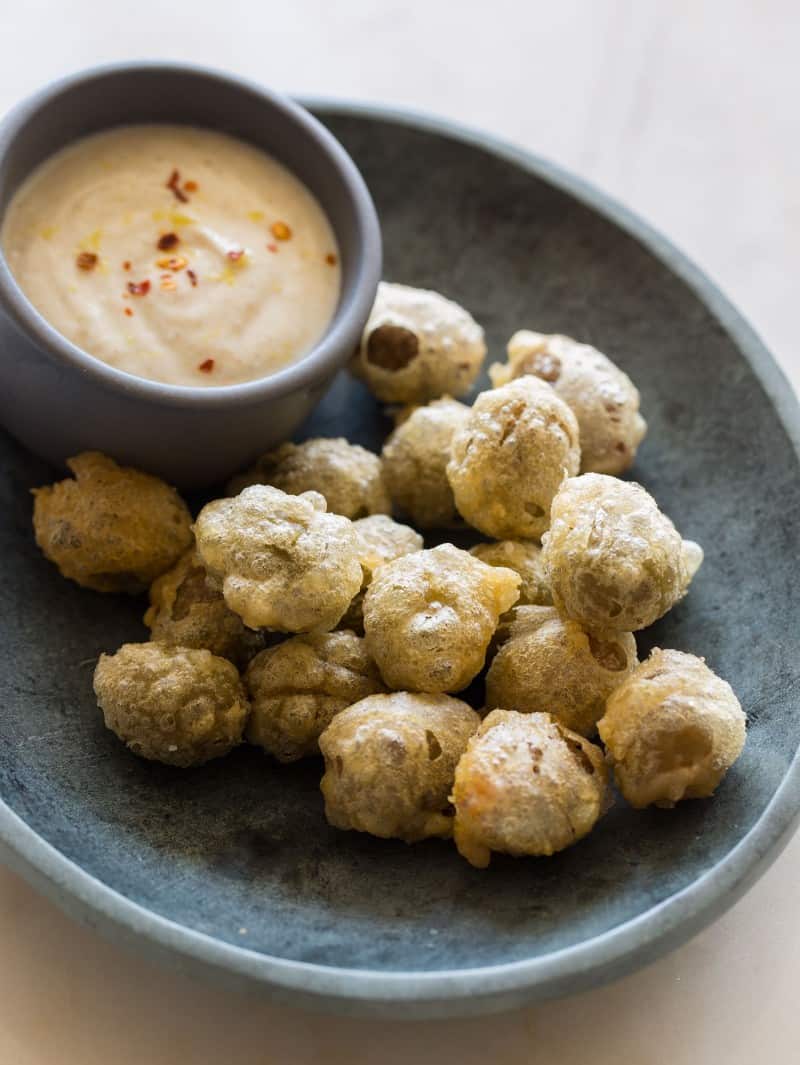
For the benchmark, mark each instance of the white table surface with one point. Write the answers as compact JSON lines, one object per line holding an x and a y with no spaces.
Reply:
{"x":686,"y":110}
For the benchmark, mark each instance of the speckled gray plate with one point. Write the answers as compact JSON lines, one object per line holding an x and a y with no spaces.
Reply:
{"x":232,"y":869}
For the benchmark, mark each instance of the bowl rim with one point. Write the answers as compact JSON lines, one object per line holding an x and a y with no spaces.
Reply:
{"x":443,"y":993}
{"x":329,"y":353}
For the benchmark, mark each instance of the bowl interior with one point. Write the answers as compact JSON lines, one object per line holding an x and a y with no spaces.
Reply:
{"x":240,"y":849}
{"x":159,"y":93}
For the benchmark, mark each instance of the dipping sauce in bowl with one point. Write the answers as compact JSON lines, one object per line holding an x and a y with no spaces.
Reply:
{"x":175,"y":253}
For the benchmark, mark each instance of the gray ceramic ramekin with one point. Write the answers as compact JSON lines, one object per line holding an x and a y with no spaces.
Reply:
{"x":59,"y":400}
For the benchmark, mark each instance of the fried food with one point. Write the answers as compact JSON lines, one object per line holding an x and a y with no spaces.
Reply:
{"x":525,"y":558}
{"x":283,"y":563}
{"x":429,"y":617}
{"x":389,"y":764}
{"x":613,"y":559}
{"x":174,"y":705}
{"x":418,"y":346}
{"x":348,"y":476}
{"x":548,"y":664}
{"x":381,"y":540}
{"x":603,"y":398}
{"x":415,"y":458}
{"x":187,"y":610}
{"x":508,"y":461}
{"x":297,"y":688}
{"x":112,"y":528}
{"x":526,"y":786}
{"x":672,"y":729}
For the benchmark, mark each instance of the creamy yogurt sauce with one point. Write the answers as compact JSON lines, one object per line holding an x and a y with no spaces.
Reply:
{"x":174,"y":253}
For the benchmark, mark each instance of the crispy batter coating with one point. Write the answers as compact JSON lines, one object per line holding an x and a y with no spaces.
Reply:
{"x":348,"y":476}
{"x":282,"y":561}
{"x":298,"y":687}
{"x":613,"y":559}
{"x":415,"y":458}
{"x":174,"y":705}
{"x":429,"y":617}
{"x":508,"y":461}
{"x":381,"y":540}
{"x":187,"y":610}
{"x":526,"y":786}
{"x":418,"y":346}
{"x":603,"y":398}
{"x":672,"y":729}
{"x":525,"y":558}
{"x":389,"y":764}
{"x":551,"y":665}
{"x":112,"y":528}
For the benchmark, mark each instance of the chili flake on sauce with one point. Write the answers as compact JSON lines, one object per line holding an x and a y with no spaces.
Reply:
{"x":167,"y":241}
{"x":280,"y":231}
{"x":139,"y":288}
{"x":206,"y":366}
{"x":86,"y":260}
{"x":174,"y":187}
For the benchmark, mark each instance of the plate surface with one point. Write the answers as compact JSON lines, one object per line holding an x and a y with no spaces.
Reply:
{"x":232,"y":868}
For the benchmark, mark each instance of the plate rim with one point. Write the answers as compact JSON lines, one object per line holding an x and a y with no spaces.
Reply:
{"x":442,"y":993}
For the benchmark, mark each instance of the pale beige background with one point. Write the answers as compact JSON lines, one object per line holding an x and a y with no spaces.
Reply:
{"x":688,"y":111}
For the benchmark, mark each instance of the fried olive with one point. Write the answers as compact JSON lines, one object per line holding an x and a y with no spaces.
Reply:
{"x":613,"y":559}
{"x":551,"y":665}
{"x":187,"y":610}
{"x":672,"y":729}
{"x":348,"y":476}
{"x":174,"y":705}
{"x":429,"y":617}
{"x":526,"y":786}
{"x":603,"y":398}
{"x":283,"y":563}
{"x":298,"y":687}
{"x":415,"y":461}
{"x":381,"y":540}
{"x":417,"y":346}
{"x":525,"y":558}
{"x":389,"y":764}
{"x":112,"y":528}
{"x":509,"y":459}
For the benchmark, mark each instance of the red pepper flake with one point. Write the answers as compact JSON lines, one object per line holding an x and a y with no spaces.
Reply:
{"x":167,"y":241}
{"x":174,"y":186}
{"x":126,"y":265}
{"x":86,"y":260}
{"x":280,"y":231}
{"x":272,"y":247}
{"x":191,"y":186}
{"x":128,"y":311}
{"x":207,"y":366}
{"x":192,"y":277}
{"x":235,"y":255}
{"x":139,"y":288}
{"x":331,"y":259}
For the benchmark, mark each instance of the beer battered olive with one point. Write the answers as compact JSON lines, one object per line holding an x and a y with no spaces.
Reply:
{"x":298,"y":687}
{"x":187,"y":610}
{"x":283,"y":563}
{"x":603,"y":398}
{"x":348,"y":476}
{"x":418,"y":346}
{"x":509,"y":459}
{"x":415,"y":461}
{"x":171,"y":704}
{"x":429,"y":617}
{"x":112,"y":528}
{"x":613,"y":559}
{"x":672,"y":729}
{"x":550,"y":664}
{"x":389,"y":764}
{"x":526,"y":786}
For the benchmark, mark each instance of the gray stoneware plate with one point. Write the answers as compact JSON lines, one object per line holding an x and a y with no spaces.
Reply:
{"x":231,"y":869}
